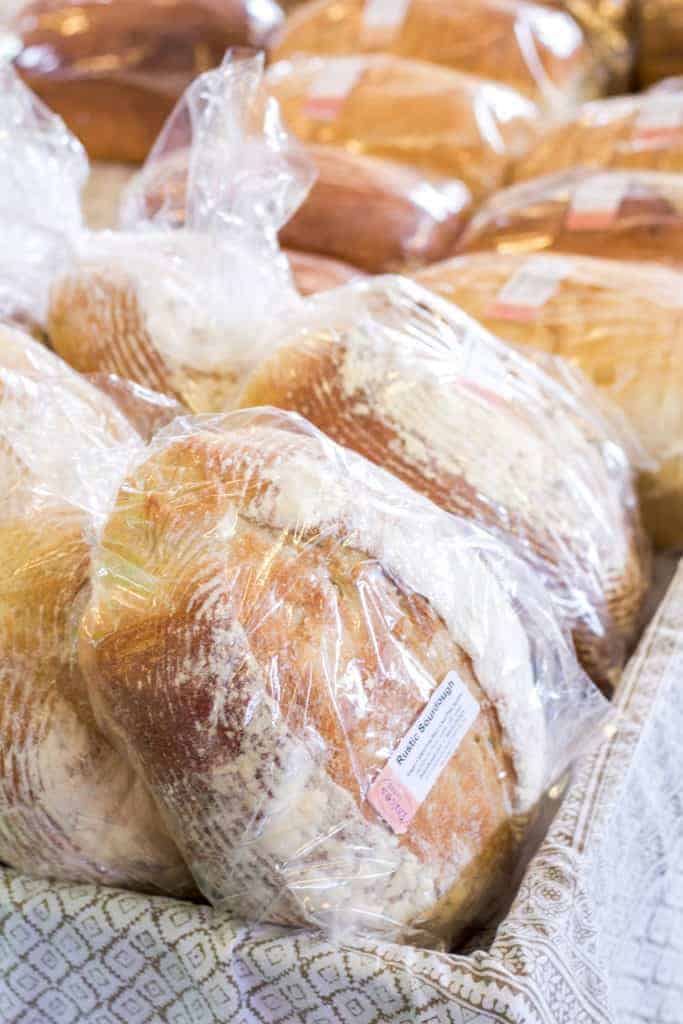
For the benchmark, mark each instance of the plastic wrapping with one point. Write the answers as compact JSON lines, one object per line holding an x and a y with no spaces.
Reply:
{"x":439,"y":121}
{"x":114,"y":69}
{"x":620,"y":322}
{"x":642,"y":132}
{"x":273,"y":619}
{"x":660,"y":34}
{"x":542,"y":53}
{"x":42,"y":170}
{"x":70,"y":806}
{"x":314,"y":274}
{"x":183,"y":311}
{"x":611,"y":30}
{"x":371,"y":213}
{"x":632,"y":215}
{"x":416,"y":386}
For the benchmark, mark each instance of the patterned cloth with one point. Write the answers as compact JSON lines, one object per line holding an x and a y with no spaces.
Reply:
{"x":595,"y":934}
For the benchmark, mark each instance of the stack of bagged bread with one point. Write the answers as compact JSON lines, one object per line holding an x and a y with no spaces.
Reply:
{"x":310,"y":592}
{"x":274,"y":658}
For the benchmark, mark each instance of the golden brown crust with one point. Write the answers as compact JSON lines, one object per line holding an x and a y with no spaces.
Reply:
{"x":647,"y":225}
{"x":605,"y":134}
{"x":71,"y":806}
{"x":412,"y":112}
{"x":477,"y":36}
{"x":284,"y":597}
{"x":660,"y":32}
{"x":375,"y":215}
{"x":114,"y":71}
{"x":622,"y":324}
{"x":98,"y":325}
{"x":308,"y":376}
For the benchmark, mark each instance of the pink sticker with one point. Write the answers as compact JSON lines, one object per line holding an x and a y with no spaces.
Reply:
{"x":331,"y":87}
{"x":596,"y":202}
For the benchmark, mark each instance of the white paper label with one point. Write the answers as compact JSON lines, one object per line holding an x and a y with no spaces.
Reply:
{"x":417,"y":762}
{"x":661,"y":120}
{"x":527,"y":291}
{"x":385,"y":14}
{"x":331,"y":86}
{"x":596,"y":202}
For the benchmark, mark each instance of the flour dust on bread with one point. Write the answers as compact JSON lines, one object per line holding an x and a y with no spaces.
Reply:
{"x":183,"y":310}
{"x":417,"y":387}
{"x":71,"y":807}
{"x":304,"y":611}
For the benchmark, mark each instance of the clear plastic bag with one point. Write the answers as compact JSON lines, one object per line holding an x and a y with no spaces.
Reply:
{"x":346,"y":701}
{"x":611,"y":30}
{"x":439,"y":121}
{"x":413,"y":384}
{"x":114,"y":69}
{"x":632,"y":215}
{"x":42,"y":171}
{"x":619,"y":322}
{"x":643,"y":132}
{"x":183,"y":311}
{"x":542,"y":53}
{"x":660,"y":39}
{"x":71,"y":806}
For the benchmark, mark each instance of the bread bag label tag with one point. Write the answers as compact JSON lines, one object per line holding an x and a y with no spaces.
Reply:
{"x":528,"y":290}
{"x":660,"y":120}
{"x":409,"y":775}
{"x":331,"y":86}
{"x":384,"y":16}
{"x":596,"y":202}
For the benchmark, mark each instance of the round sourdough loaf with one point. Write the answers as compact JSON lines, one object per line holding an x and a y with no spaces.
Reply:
{"x":70,"y":805}
{"x":271,"y":616}
{"x":413,"y":384}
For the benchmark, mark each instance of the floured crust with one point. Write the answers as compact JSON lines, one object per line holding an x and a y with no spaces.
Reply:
{"x":462,"y":426}
{"x":539,"y":215}
{"x":411,"y":112}
{"x":132,"y":307}
{"x":284,"y":630}
{"x":622,"y":324}
{"x":504,"y":40}
{"x":70,"y":806}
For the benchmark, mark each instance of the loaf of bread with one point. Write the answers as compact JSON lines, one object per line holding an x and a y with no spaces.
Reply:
{"x":371,"y":213}
{"x":439,"y":121}
{"x":180,"y":313}
{"x":114,"y":70}
{"x":542,"y":53}
{"x":660,"y":34}
{"x":71,"y":807}
{"x":416,"y":387}
{"x":631,"y":215}
{"x":313,"y":274}
{"x":375,"y":214}
{"x":642,"y":132}
{"x":303,"y":620}
{"x":620,"y":322}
